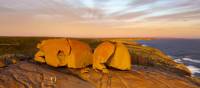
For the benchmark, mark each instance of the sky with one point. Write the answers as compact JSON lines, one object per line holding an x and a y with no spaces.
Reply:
{"x":100,"y":18}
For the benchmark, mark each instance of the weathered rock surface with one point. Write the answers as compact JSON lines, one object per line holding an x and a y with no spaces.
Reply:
{"x":121,"y":58}
{"x":64,"y":52}
{"x":140,"y":77}
{"x":80,"y":55}
{"x":115,"y":55}
{"x":101,"y":55}
{"x":157,"y":70}
{"x":149,"y":56}
{"x":2,"y":63}
{"x":8,"y":59}
{"x":31,"y":75}
{"x":49,"y":50}
{"x":77,"y":54}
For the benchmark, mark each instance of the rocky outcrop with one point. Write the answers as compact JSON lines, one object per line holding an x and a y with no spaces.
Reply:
{"x":121,"y":58}
{"x":33,"y":75}
{"x":148,"y":56}
{"x":50,"y":50}
{"x":115,"y":55}
{"x":102,"y":53}
{"x":152,"y":68}
{"x":76,"y":54}
{"x":64,"y":52}
{"x":28,"y":75}
{"x":139,"y":77}
{"x":80,"y":55}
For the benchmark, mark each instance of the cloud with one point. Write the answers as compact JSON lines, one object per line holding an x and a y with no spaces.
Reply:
{"x":130,"y":10}
{"x":105,"y":14}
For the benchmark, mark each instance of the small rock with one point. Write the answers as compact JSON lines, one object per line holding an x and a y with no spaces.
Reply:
{"x":2,"y":63}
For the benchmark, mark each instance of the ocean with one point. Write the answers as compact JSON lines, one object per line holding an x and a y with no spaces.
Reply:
{"x":186,"y":51}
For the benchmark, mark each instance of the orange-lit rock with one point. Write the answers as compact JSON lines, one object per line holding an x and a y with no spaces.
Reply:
{"x":182,"y":69}
{"x":51,"y":49}
{"x":2,"y":63}
{"x":80,"y":55}
{"x":77,"y":54}
{"x":101,"y":55}
{"x":113,"y":55}
{"x":140,"y":77}
{"x":121,"y":59}
{"x":28,"y":75}
{"x":64,"y":52}
{"x":40,"y":57}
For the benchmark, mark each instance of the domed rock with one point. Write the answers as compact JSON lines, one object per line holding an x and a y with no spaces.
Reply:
{"x":80,"y":55}
{"x":51,"y":49}
{"x":64,"y":52}
{"x":121,"y":59}
{"x":101,"y":55}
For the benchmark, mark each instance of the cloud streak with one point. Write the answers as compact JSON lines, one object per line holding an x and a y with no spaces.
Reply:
{"x":103,"y":9}
{"x":113,"y":14}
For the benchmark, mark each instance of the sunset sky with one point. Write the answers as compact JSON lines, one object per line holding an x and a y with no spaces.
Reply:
{"x":100,"y":18}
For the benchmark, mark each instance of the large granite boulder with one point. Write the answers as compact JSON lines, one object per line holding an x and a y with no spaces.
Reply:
{"x":64,"y":52}
{"x":80,"y":55}
{"x":101,"y":55}
{"x":115,"y":55}
{"x":49,"y":51}
{"x":121,"y":59}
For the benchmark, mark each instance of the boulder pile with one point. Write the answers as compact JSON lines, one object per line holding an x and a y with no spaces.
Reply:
{"x":108,"y":64}
{"x":107,"y":54}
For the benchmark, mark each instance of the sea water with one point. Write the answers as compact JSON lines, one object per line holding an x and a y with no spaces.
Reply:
{"x":185,"y":51}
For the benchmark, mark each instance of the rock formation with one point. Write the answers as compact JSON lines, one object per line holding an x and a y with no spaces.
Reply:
{"x":121,"y":58}
{"x":27,"y":74}
{"x":80,"y":55}
{"x":49,"y":51}
{"x":113,"y":55}
{"x":151,"y":68}
{"x":64,"y":52}
{"x":77,"y":54}
{"x":148,"y":56}
{"x":102,"y":53}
